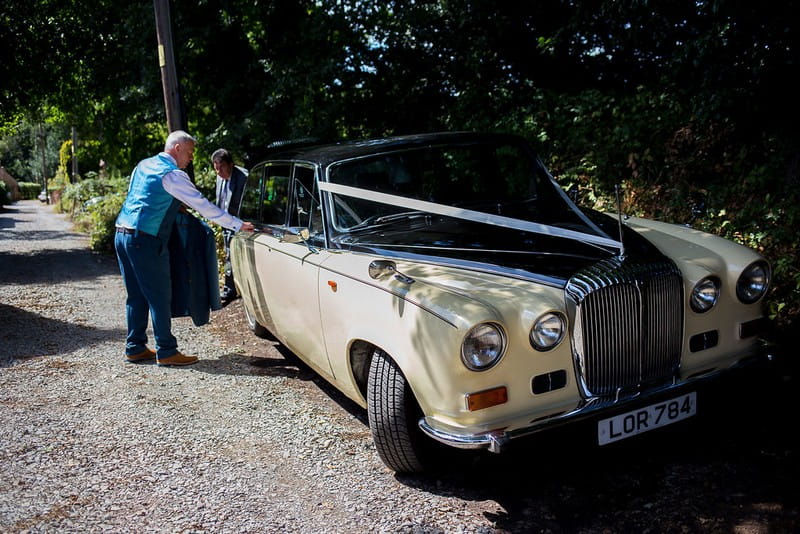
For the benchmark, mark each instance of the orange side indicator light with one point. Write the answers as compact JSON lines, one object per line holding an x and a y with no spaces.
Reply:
{"x":334,"y":286}
{"x":486,"y":398}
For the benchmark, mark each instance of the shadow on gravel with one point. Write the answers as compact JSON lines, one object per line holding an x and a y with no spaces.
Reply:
{"x":290,"y":360}
{"x":7,"y":222}
{"x":733,"y":468}
{"x":55,"y":266}
{"x":243,"y":365}
{"x":29,"y":335}
{"x":38,"y":235}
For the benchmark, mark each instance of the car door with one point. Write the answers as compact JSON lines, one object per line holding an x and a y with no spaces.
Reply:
{"x":289,"y":269}
{"x":243,"y":253}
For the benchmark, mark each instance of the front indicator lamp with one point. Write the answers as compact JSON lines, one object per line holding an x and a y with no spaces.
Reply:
{"x":486,"y":399}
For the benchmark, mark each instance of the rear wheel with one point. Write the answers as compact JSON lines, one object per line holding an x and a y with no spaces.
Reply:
{"x":393,"y":415}
{"x":252,"y":323}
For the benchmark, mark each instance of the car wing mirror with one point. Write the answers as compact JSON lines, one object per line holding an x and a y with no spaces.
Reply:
{"x":382,"y":268}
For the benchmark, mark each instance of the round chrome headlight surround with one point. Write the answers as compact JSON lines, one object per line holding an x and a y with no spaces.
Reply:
{"x":753,"y":282}
{"x":483,"y":346}
{"x":705,"y":294}
{"x":548,"y":331}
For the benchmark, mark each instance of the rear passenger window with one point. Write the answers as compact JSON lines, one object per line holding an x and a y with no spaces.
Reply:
{"x":276,"y":194}
{"x":251,"y":195}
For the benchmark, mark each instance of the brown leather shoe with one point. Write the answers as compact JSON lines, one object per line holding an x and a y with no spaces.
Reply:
{"x":176,"y":359}
{"x":143,"y":356}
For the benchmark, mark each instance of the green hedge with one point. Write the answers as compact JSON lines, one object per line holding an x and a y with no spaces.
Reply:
{"x":4,"y":194}
{"x":30,"y":190}
{"x":93,"y":203}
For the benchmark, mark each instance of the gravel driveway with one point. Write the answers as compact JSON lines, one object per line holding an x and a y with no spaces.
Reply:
{"x":249,"y":440}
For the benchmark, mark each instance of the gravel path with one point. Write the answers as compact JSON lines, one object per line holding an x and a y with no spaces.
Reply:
{"x":232,"y":444}
{"x":249,"y":440}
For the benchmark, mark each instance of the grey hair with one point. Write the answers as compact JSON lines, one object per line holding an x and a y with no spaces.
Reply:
{"x":221,"y":155}
{"x":178,"y":136}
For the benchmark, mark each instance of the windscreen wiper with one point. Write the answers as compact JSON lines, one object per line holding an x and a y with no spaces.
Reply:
{"x":383,"y":219}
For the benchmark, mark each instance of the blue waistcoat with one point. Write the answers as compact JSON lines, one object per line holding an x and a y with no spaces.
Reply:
{"x":148,"y":207}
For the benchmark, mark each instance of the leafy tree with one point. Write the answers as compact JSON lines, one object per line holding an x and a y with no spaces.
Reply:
{"x":676,"y":100}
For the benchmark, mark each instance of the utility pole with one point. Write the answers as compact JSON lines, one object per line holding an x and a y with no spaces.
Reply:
{"x":173,"y":103}
{"x":166,"y":62}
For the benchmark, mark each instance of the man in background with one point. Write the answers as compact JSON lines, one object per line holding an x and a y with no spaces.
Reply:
{"x":230,"y":184}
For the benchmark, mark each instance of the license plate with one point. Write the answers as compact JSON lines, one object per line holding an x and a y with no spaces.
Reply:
{"x":647,"y":418}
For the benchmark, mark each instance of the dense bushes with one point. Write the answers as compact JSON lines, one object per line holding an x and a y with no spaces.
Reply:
{"x":670,"y":157}
{"x":94,"y":203}
{"x":30,"y":190}
{"x":680,"y":102}
{"x":706,"y":173}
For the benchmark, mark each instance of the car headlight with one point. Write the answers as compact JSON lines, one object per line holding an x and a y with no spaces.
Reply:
{"x":547,"y":331}
{"x":483,"y":346}
{"x":753,"y":282}
{"x":705,"y":294}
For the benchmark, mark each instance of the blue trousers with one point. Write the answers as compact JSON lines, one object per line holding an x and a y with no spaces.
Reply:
{"x":144,"y":264}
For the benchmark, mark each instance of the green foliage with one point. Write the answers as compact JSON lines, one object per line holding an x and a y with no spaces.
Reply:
{"x":94,"y":204}
{"x":64,"y":157}
{"x":675,"y":101}
{"x":99,"y":220}
{"x":29,"y":190}
{"x":205,"y":178}
{"x":21,"y":148}
{"x":4,"y":194}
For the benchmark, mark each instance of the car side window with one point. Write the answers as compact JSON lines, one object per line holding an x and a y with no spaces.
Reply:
{"x":276,"y":194}
{"x":250,"y":206}
{"x":306,"y":212}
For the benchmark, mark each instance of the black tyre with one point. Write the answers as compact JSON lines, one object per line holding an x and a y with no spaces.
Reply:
{"x":393,"y":415}
{"x":253,"y":324}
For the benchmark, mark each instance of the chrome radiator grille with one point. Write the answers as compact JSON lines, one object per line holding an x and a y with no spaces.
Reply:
{"x":628,"y":325}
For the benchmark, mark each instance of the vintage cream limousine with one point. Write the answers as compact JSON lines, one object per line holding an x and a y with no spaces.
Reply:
{"x":447,"y":283}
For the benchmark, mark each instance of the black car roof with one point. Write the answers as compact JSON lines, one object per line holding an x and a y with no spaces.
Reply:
{"x":326,"y":153}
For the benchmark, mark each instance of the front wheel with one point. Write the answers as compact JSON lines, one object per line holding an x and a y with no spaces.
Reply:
{"x":393,"y":414}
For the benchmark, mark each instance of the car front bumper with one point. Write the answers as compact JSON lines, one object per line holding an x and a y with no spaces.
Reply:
{"x":497,"y":440}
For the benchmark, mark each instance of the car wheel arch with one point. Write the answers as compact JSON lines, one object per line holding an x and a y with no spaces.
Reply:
{"x":361,"y":352}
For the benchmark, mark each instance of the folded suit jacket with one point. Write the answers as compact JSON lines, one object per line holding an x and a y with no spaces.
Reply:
{"x":194,"y":270}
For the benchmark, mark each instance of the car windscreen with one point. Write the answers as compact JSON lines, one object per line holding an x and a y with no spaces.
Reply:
{"x":498,"y":179}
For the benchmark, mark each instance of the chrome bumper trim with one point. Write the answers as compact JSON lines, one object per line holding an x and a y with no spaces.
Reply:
{"x":494,"y":440}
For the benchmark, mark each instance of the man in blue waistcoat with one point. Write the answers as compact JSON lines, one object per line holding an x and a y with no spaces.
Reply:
{"x":157,"y":189}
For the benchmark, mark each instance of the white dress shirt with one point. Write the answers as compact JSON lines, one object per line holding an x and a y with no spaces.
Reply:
{"x":178,"y":184}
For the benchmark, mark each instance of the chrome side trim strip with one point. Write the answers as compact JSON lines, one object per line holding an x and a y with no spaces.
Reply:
{"x":468,"y":265}
{"x":399,"y":294}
